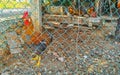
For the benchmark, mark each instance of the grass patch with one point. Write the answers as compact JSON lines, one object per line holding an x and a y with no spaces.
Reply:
{"x":13,"y":4}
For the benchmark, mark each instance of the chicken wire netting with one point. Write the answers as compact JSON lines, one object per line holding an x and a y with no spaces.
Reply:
{"x":59,"y":37}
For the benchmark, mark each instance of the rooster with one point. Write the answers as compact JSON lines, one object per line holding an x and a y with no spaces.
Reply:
{"x":31,"y":37}
{"x":27,"y":27}
{"x":36,"y":40}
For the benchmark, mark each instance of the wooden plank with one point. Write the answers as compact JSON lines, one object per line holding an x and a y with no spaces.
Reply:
{"x":58,"y":18}
{"x":105,"y":17}
{"x":48,"y":27}
{"x":79,"y":20}
{"x":72,"y":20}
{"x":53,"y":23}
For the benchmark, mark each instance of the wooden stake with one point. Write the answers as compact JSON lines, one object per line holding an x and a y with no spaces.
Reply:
{"x":97,"y":5}
{"x":36,"y":15}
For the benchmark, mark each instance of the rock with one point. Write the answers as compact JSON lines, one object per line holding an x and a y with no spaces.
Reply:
{"x":50,"y":72}
{"x":55,"y":54}
{"x":85,"y":56}
{"x":61,"y":59}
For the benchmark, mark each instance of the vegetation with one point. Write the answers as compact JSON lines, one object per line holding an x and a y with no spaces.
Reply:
{"x":13,"y":4}
{"x":63,"y":3}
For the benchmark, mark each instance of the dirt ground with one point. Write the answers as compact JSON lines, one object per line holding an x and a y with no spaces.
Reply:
{"x":81,"y":50}
{"x":73,"y":51}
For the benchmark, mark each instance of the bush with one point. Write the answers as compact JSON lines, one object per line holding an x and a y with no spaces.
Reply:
{"x":13,"y":4}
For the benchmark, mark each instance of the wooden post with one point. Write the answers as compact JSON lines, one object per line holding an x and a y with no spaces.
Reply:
{"x":97,"y":5}
{"x":110,"y":8}
{"x":118,"y":0}
{"x":36,"y":15}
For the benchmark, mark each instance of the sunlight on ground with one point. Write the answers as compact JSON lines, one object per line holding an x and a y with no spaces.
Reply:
{"x":13,"y":4}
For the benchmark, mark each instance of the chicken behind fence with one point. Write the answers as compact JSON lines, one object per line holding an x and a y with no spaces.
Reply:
{"x":36,"y":39}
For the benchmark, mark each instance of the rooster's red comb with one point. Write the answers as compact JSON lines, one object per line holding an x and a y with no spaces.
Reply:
{"x":25,"y":14}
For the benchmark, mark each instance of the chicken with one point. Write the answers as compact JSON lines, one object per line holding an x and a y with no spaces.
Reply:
{"x":27,"y":29}
{"x":38,"y":41}
{"x":91,"y":12}
{"x":74,"y":12}
{"x":71,"y":11}
{"x":118,"y":5}
{"x":31,"y":37}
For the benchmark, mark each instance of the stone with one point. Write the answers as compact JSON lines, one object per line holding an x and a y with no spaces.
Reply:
{"x":85,"y":56}
{"x":55,"y":54}
{"x":61,"y":59}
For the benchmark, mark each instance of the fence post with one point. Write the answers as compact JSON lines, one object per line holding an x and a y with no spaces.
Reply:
{"x":36,"y":15}
{"x":118,"y":1}
{"x":97,"y":5}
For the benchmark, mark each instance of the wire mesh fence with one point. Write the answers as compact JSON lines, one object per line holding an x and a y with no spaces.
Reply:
{"x":59,"y":37}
